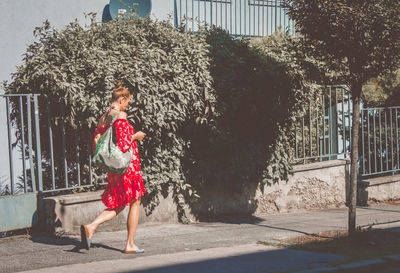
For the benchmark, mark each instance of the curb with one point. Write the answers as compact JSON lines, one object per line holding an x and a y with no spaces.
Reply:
{"x":355,"y":265}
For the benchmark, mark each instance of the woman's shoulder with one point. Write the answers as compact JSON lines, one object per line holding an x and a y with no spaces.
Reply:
{"x":121,"y":120}
{"x":121,"y":115}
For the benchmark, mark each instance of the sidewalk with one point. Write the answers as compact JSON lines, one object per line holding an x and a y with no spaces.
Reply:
{"x":221,"y":246}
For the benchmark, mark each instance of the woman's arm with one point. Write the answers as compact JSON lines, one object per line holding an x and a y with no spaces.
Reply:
{"x":138,"y":136}
{"x":124,"y":132}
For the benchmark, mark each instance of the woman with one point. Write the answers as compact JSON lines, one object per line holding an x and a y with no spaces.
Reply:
{"x":122,"y":190}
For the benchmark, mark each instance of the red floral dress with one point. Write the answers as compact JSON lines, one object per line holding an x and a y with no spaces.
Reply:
{"x":122,"y":188}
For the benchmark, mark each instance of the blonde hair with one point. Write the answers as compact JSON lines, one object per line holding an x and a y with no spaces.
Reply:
{"x":119,"y":91}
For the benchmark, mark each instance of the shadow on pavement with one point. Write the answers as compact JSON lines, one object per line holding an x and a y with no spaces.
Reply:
{"x":307,"y":253}
{"x":252,"y":220}
{"x":280,"y":260}
{"x":380,"y":223}
{"x":233,"y":219}
{"x":62,"y":241}
{"x":372,"y":208}
{"x":286,"y":229}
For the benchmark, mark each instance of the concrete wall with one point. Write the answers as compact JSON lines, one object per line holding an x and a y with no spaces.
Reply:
{"x":17,"y":22}
{"x":313,"y":186}
{"x":19,"y":18}
{"x":379,"y":189}
{"x":17,"y":212}
{"x":65,"y":213}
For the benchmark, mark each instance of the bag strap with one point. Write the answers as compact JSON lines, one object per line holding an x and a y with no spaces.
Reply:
{"x":113,"y":117}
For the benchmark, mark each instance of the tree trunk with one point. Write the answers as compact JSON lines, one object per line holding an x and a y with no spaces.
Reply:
{"x":356,"y":94}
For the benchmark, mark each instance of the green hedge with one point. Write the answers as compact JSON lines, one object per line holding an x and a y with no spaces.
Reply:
{"x":216,"y":110}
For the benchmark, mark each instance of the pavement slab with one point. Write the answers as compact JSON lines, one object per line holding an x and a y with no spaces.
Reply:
{"x":239,"y":259}
{"x":40,"y":252}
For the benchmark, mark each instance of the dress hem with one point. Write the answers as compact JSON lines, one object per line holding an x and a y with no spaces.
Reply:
{"x":124,"y":204}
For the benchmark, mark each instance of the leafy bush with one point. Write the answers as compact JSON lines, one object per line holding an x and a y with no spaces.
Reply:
{"x":246,"y":95}
{"x":165,"y":69}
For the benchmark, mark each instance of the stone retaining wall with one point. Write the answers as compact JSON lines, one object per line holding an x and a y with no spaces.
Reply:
{"x":65,"y":213}
{"x":379,"y":189}
{"x":313,"y":186}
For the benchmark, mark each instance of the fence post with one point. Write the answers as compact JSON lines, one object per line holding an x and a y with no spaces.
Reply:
{"x":21,"y":116}
{"x":37,"y":138}
{"x":175,"y":14}
{"x":30,"y":142}
{"x":10,"y":155}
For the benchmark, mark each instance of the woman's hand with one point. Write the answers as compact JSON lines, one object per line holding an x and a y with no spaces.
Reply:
{"x":139,"y":136}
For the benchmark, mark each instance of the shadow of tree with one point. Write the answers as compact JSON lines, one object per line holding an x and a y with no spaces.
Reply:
{"x":268,"y":261}
{"x":364,"y":244}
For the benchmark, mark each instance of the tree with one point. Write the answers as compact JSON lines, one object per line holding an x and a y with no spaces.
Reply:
{"x":358,"y":39}
{"x":390,"y":85}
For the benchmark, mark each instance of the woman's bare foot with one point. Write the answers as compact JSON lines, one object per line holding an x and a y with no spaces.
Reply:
{"x":133,"y":247}
{"x":90,"y":230}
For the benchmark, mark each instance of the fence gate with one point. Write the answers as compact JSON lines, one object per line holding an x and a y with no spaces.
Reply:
{"x":21,"y":182}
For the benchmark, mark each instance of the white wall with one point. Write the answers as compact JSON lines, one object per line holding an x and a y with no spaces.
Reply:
{"x":161,"y":9}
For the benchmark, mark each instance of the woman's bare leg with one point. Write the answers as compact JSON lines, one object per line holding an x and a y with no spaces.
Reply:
{"x":104,"y":216}
{"x":132,"y":223}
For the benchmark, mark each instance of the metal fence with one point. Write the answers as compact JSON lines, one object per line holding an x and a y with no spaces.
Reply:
{"x":323,"y":132}
{"x":239,"y":17}
{"x":30,"y":180}
{"x":54,"y":157}
{"x":379,"y":141}
{"x":45,"y":156}
{"x":68,"y":152}
{"x":18,"y":194}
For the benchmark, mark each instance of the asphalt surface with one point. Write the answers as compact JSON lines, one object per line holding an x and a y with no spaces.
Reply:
{"x":227,"y":245}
